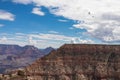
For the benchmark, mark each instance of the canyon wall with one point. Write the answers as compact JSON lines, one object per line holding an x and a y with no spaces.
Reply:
{"x":78,"y":62}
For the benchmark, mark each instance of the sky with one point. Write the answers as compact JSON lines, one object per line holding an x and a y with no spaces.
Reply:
{"x":45,"y":23}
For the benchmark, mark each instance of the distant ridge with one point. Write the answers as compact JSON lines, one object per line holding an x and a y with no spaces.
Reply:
{"x":15,"y":56}
{"x":47,"y":50}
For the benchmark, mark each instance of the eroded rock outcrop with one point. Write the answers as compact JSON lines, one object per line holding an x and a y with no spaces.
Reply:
{"x":78,"y":62}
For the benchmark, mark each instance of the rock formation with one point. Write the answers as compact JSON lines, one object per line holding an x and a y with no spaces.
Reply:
{"x":14,"y":56}
{"x":47,"y":50}
{"x":77,"y":62}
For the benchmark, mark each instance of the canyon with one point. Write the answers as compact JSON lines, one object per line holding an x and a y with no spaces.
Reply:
{"x":14,"y":56}
{"x":78,"y":62}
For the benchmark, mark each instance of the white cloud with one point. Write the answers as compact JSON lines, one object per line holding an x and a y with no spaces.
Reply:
{"x":80,"y":41}
{"x":61,"y":20}
{"x":19,"y":33}
{"x":52,"y":37}
{"x":4,"y":15}
{"x":54,"y":32}
{"x":107,"y":31}
{"x":58,"y":39}
{"x":38,"y":11}
{"x":22,"y":1}
{"x":40,"y":40}
{"x":32,"y":41}
{"x":3,"y":39}
{"x":100,"y":18}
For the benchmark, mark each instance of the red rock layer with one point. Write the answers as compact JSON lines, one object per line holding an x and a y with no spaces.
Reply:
{"x":78,"y":62}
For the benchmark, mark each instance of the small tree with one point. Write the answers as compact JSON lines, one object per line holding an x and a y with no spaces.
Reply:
{"x":21,"y":73}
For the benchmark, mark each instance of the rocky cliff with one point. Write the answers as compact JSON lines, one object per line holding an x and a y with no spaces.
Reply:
{"x":77,"y":62}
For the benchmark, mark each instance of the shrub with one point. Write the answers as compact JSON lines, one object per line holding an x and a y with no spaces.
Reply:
{"x":21,"y":73}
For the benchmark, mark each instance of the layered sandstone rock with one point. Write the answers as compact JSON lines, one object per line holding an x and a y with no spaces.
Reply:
{"x":78,"y":62}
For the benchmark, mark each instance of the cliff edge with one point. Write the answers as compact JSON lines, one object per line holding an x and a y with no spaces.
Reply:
{"x":78,"y":62}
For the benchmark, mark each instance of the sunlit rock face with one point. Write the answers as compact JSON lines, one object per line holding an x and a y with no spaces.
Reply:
{"x":78,"y":62}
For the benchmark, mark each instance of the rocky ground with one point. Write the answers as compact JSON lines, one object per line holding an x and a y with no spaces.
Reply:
{"x":76,"y":62}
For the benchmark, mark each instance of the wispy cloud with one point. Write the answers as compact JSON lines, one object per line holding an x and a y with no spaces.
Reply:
{"x":78,"y":41}
{"x":1,"y":25}
{"x":57,"y":37}
{"x":32,"y":41}
{"x":4,"y":15}
{"x":40,"y":40}
{"x":22,"y":1}
{"x":3,"y":39}
{"x":62,"y":20}
{"x":54,"y":32}
{"x":38,"y":11}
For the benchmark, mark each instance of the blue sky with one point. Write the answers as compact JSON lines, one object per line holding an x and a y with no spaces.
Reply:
{"x":44,"y":23}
